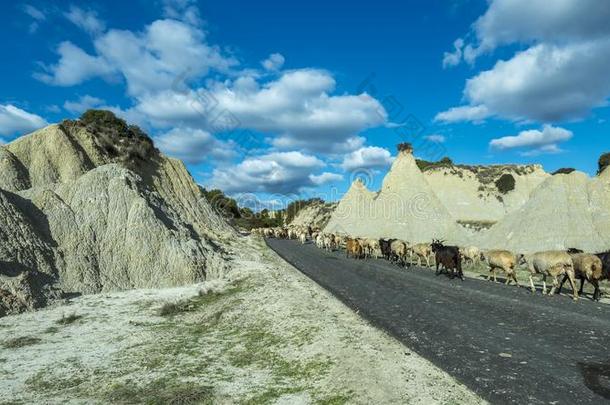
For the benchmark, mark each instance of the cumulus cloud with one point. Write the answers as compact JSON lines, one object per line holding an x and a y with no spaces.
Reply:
{"x":510,"y":21}
{"x":561,"y":75}
{"x":369,"y":157}
{"x":297,"y":108}
{"x":535,"y":141}
{"x":74,"y":67}
{"x":325,"y":178}
{"x":474,"y":113}
{"x":83,"y":104}
{"x":436,"y":138}
{"x":86,"y":20}
{"x":15,"y":120}
{"x":193,"y":145}
{"x":149,"y":61}
{"x":274,"y":62}
{"x":546,"y":83}
{"x":278,"y":172}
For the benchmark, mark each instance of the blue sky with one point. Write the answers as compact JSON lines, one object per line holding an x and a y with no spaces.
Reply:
{"x":285,"y":99}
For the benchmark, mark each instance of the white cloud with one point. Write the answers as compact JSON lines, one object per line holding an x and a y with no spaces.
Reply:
{"x":510,"y":21}
{"x":436,"y":138}
{"x":464,"y":113}
{"x":184,"y":10}
{"x":37,"y":16}
{"x":33,"y":12}
{"x":561,"y":73}
{"x":15,"y":120}
{"x":166,"y":53}
{"x":546,"y":83}
{"x":74,"y":67}
{"x":454,"y":58}
{"x":367,"y":158}
{"x":325,"y":178}
{"x":193,"y":145}
{"x":279,"y":172}
{"x":274,"y":62}
{"x":536,"y":141}
{"x":83,"y":104}
{"x":297,"y":109}
{"x":86,"y":20}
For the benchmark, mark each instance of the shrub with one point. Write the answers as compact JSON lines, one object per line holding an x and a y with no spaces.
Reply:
{"x":67,"y":320}
{"x":294,"y":207}
{"x":505,"y":183}
{"x":427,"y":165}
{"x":128,"y":144}
{"x":564,"y":170}
{"x":175,"y":308}
{"x":404,"y":147}
{"x":603,"y":162}
{"x":20,"y":342}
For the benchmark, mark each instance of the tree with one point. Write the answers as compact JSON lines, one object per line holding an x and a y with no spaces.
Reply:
{"x":505,"y":183}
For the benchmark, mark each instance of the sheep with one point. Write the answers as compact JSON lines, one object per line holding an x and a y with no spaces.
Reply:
{"x":471,"y":253}
{"x":399,"y":251}
{"x":303,"y":238}
{"x":353,"y":248}
{"x":372,"y":248}
{"x":329,"y":242}
{"x":320,"y":241}
{"x":550,"y":263}
{"x":502,"y":260}
{"x":421,"y":251}
{"x":586,"y":267}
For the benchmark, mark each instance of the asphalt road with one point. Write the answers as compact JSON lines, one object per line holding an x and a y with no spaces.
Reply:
{"x":505,"y":343}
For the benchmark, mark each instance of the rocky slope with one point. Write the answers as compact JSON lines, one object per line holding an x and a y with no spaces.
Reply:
{"x":565,"y":211}
{"x":533,"y":211}
{"x":82,"y":211}
{"x":315,"y":215}
{"x":406,"y":207}
{"x":471,"y":195}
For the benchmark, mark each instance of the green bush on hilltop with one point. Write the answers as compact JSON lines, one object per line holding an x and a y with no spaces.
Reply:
{"x":603,"y":162}
{"x":505,"y":183}
{"x":127,"y":143}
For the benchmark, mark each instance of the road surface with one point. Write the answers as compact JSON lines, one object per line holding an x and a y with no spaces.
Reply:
{"x":505,"y":343}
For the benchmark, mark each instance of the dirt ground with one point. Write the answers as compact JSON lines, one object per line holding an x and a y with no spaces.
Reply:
{"x":265,"y":334}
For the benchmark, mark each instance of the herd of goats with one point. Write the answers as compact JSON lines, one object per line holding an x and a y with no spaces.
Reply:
{"x":571,"y":264}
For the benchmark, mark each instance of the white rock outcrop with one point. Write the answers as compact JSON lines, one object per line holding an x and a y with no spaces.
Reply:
{"x":565,"y":211}
{"x":316,"y":215}
{"x":470,"y":193}
{"x":406,"y":207}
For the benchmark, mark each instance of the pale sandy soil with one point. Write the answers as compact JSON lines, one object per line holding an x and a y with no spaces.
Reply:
{"x":266,"y":334}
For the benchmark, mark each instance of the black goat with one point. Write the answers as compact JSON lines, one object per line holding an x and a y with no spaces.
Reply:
{"x":448,"y":257}
{"x":386,"y":248}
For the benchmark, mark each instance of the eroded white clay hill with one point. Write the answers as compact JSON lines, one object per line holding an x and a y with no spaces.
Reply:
{"x":84,"y":210}
{"x":464,"y":205}
{"x":315,"y":215}
{"x":406,"y":207}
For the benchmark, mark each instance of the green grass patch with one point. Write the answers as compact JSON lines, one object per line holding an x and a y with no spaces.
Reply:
{"x":170,"y":309}
{"x":160,"y":391}
{"x":21,"y":341}
{"x":68,"y":319}
{"x":340,"y":399}
{"x":271,"y":395}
